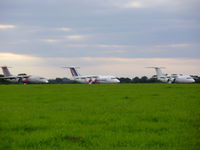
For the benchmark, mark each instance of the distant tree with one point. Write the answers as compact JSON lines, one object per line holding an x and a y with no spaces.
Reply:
{"x":66,"y":80}
{"x":52,"y":81}
{"x":144,"y":79}
{"x":154,"y":80}
{"x":62,"y":81}
{"x":59,"y":80}
{"x":136,"y":80}
{"x":196,"y":78}
{"x":1,"y":80}
{"x":125,"y":80}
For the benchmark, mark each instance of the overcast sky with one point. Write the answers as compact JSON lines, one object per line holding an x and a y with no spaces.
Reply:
{"x":114,"y":37}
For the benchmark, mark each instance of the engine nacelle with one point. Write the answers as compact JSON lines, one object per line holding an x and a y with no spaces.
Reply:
{"x":23,"y":80}
{"x":92,"y":81}
{"x":171,"y":80}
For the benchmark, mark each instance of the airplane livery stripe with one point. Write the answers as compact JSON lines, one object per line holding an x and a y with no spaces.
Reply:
{"x":73,"y":71}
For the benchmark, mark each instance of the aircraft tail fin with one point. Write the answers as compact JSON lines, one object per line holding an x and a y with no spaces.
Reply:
{"x":73,"y":71}
{"x":158,"y":71}
{"x":6,"y":72}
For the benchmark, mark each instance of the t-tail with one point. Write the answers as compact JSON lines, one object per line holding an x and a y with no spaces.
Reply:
{"x":73,"y":71}
{"x":6,"y":72}
{"x":158,"y":72}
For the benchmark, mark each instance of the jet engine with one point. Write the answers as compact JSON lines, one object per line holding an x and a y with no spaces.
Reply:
{"x":171,"y":80}
{"x":92,"y":81}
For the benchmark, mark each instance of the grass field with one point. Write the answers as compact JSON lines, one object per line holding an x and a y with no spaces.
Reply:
{"x":100,"y":117}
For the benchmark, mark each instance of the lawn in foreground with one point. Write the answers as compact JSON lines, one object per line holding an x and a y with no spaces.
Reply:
{"x":94,"y":117}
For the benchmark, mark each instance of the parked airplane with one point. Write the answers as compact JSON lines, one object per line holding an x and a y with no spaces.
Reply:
{"x":174,"y":78}
{"x":21,"y":78}
{"x":91,"y":79}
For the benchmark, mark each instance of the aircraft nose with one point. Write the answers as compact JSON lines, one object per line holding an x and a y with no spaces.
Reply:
{"x":117,"y":81}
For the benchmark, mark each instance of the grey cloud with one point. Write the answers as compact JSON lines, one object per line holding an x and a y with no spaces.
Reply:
{"x":103,"y":22}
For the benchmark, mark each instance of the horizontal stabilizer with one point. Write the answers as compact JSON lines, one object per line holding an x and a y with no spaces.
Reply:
{"x":156,"y":67}
{"x":73,"y":71}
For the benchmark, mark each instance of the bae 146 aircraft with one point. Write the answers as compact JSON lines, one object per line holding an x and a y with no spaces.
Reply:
{"x":21,"y":78}
{"x":174,"y":78}
{"x":91,"y":79}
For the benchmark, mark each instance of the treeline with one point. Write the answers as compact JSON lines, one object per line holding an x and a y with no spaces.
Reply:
{"x":143,"y":79}
{"x":62,"y":81}
{"x":196,"y":78}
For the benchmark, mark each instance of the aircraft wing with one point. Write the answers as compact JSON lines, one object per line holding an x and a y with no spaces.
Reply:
{"x":14,"y":77}
{"x":8,"y":77}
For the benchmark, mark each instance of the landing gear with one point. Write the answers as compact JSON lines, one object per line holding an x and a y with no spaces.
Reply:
{"x":171,"y":80}
{"x":92,"y":81}
{"x":20,"y":81}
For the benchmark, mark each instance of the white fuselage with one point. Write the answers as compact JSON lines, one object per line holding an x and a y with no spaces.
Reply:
{"x":29,"y":79}
{"x":21,"y":78}
{"x":177,"y":79}
{"x":174,"y":78}
{"x":96,"y":79}
{"x":183,"y":79}
{"x":36,"y":79}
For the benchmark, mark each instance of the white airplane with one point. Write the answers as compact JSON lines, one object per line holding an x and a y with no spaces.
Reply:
{"x":174,"y":78}
{"x":91,"y":79}
{"x":21,"y":78}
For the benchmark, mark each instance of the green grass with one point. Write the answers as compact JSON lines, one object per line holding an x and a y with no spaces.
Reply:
{"x":100,"y":117}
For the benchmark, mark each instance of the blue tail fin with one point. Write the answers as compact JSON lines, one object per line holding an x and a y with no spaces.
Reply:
{"x":73,"y":71}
